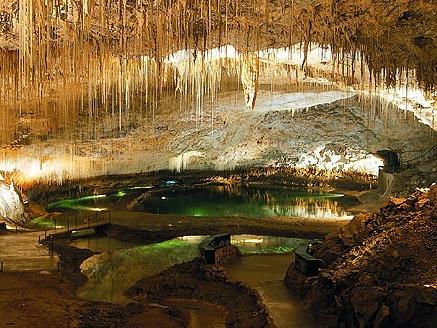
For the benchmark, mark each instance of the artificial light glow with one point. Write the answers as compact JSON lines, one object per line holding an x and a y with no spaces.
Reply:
{"x":253,"y":241}
{"x":411,"y":98}
{"x":77,"y":204}
{"x":181,"y":162}
{"x":193,"y":239}
{"x":323,"y":158}
{"x":95,"y":209}
{"x":140,"y":187}
{"x":120,"y":194}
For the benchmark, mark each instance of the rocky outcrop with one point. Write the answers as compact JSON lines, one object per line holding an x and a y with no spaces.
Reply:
{"x":192,"y":280}
{"x":12,"y":208}
{"x":381,"y":268}
{"x":227,"y":253}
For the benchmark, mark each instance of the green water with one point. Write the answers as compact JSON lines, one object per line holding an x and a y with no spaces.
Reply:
{"x":253,"y":244}
{"x":94,"y":203}
{"x":44,"y":223}
{"x":78,"y":211}
{"x":213,"y":201}
{"x":111,"y":273}
{"x":247,"y":201}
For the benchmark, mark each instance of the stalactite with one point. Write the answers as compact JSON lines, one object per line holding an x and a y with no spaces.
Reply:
{"x":57,"y":38}
{"x":104,"y":61}
{"x":250,"y":78}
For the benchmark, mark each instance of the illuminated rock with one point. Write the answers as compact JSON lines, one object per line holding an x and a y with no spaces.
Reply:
{"x":249,"y":78}
{"x":11,"y":206}
{"x":181,"y":162}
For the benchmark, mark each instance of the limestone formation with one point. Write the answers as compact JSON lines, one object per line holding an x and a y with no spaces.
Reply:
{"x":381,"y":268}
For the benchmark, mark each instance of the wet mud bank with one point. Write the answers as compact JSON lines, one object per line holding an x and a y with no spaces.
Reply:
{"x":48,"y":299}
{"x":195,"y":281}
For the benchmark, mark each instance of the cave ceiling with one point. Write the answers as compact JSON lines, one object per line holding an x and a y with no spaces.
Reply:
{"x":392,"y":35}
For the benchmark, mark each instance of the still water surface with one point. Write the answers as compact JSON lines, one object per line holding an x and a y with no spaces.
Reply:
{"x":115,"y":270}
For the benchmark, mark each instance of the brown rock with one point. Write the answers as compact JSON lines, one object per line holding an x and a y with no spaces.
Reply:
{"x":381,"y":267}
{"x":382,"y":316}
{"x":432,"y":194}
{"x":366,"y":303}
{"x":397,"y":201}
{"x":423,"y":294}
{"x":422,"y":202}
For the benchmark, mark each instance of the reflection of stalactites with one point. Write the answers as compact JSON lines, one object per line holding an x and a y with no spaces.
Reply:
{"x":249,"y":77}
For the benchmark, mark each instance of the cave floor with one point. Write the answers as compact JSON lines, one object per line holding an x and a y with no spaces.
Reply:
{"x":22,"y":251}
{"x":42,"y":289}
{"x":34,"y":299}
{"x":202,"y":314}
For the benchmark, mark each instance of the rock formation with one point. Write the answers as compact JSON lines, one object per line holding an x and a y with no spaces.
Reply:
{"x":381,"y":269}
{"x":11,"y":205}
{"x":192,"y":280}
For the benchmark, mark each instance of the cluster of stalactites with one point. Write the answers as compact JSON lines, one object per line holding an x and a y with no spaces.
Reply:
{"x":109,"y":52}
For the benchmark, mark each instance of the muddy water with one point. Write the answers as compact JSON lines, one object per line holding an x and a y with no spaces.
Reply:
{"x":265,"y":273}
{"x":101,"y":244}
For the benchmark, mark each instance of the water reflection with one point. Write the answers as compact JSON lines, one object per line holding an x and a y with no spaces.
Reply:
{"x":253,"y":244}
{"x":94,"y":203}
{"x":250,"y":201}
{"x":101,"y":244}
{"x":111,"y":273}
